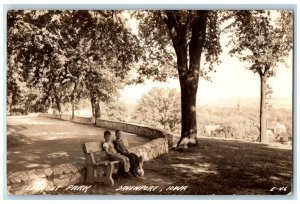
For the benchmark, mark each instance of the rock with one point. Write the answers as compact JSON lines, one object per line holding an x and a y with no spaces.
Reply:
{"x":57,"y":170}
{"x":32,"y":174}
{"x":62,"y":176}
{"x":15,"y":179}
{"x":61,"y":182}
{"x":73,"y":169}
{"x":24,"y":176}
{"x":40,"y":173}
{"x":48,"y":172}
{"x":8,"y":189}
{"x":65,"y":168}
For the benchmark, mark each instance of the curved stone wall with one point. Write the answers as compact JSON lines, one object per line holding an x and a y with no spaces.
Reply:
{"x":152,"y":149}
{"x":140,"y":130}
{"x":39,"y":181}
{"x":84,"y":120}
{"x":137,"y":129}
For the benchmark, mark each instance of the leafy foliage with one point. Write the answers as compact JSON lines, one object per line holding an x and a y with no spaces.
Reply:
{"x":260,"y":40}
{"x":170,"y":36}
{"x":263,"y":42}
{"x":70,"y":54}
{"x":159,"y":108}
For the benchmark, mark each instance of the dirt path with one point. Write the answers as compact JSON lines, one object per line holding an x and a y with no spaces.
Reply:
{"x":34,"y":142}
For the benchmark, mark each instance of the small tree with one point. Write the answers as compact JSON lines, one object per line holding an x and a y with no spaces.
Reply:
{"x":257,"y":39}
{"x":159,"y":107}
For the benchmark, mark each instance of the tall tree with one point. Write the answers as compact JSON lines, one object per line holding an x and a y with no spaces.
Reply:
{"x":263,"y":42}
{"x":176,"y":41}
{"x":72,"y":54}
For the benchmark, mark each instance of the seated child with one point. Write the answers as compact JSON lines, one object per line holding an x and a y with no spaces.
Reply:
{"x":112,"y":154}
{"x":136,"y":162}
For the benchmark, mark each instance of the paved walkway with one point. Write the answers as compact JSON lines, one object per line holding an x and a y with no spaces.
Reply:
{"x":35,"y":142}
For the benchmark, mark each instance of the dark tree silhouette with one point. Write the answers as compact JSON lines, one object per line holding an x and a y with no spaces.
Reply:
{"x":175,"y":42}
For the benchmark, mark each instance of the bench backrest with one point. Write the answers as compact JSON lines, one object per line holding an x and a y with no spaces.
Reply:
{"x":90,"y":147}
{"x":94,"y":152}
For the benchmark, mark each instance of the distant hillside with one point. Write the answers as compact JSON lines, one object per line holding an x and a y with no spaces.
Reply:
{"x":283,"y":102}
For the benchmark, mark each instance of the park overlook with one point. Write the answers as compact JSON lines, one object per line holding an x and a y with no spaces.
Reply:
{"x":204,"y":94}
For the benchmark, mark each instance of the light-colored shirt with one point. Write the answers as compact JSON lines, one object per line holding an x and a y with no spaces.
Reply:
{"x":110,"y":147}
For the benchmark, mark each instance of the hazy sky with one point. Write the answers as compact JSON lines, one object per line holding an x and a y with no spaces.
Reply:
{"x":231,"y":80}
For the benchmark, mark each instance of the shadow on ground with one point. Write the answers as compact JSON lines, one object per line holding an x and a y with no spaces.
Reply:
{"x":216,"y":166}
{"x":34,"y":142}
{"x":229,"y":167}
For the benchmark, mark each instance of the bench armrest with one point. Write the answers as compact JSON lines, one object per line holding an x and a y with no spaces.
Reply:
{"x":105,"y":163}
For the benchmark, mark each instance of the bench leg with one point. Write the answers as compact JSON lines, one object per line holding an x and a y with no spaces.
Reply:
{"x":140,"y":167}
{"x":109,"y":171}
{"x":89,"y":175}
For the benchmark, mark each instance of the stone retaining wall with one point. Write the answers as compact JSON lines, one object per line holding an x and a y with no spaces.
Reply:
{"x":65,"y":117}
{"x":46,"y":115}
{"x":137,"y":129}
{"x":130,"y":128}
{"x":84,"y":120}
{"x":38,"y":181}
{"x":152,"y":149}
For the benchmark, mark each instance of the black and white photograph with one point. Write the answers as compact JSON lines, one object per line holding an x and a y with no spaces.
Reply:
{"x":149,"y":102}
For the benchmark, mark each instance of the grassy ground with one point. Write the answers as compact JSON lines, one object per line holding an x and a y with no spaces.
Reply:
{"x":220,"y":167}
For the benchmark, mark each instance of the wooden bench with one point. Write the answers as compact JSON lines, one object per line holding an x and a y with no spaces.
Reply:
{"x":98,"y":167}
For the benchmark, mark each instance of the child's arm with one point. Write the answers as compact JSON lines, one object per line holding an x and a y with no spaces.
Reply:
{"x":125,"y":144}
{"x":106,"y":147}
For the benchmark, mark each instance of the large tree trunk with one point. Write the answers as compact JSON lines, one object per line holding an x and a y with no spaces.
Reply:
{"x":188,"y":113}
{"x":188,"y":69}
{"x":263,"y":113}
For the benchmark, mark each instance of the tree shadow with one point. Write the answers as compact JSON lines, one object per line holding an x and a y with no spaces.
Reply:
{"x":49,"y":148}
{"x":15,"y":137}
{"x":228,"y":167}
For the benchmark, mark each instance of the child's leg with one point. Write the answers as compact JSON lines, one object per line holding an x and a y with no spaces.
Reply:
{"x":122,"y":159}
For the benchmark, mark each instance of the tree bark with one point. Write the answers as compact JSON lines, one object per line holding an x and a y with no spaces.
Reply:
{"x":96,"y":107}
{"x":73,"y":108}
{"x":188,"y":113}
{"x":57,"y":102}
{"x":11,"y":106}
{"x":188,"y":70}
{"x":263,"y":110}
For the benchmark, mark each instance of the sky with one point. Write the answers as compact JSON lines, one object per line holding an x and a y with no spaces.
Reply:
{"x":231,"y":81}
